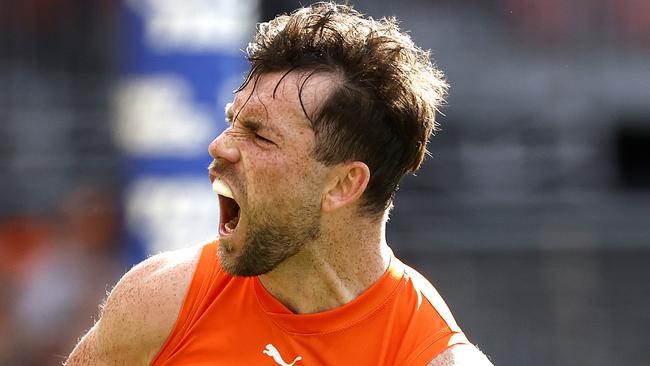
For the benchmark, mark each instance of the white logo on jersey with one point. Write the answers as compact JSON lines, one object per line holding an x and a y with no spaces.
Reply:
{"x":273,"y":352}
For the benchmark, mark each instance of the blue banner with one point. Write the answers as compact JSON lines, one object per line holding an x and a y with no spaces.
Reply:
{"x":179,"y":62}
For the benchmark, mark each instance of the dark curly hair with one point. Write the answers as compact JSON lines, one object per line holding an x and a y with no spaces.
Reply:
{"x":382,"y":111}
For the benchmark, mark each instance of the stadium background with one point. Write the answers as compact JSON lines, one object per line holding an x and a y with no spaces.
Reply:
{"x":532,"y":217}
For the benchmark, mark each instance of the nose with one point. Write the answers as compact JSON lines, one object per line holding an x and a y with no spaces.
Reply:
{"x":223,"y":147}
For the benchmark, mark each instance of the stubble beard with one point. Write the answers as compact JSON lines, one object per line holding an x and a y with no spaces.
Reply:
{"x":270,"y":240}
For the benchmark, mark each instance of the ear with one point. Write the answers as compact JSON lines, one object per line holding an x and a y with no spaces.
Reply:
{"x":346,"y":185}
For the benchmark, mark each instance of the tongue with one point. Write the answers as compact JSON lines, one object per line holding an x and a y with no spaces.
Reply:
{"x":232,"y":224}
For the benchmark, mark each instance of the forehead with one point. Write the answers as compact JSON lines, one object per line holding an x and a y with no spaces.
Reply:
{"x":282,"y":99}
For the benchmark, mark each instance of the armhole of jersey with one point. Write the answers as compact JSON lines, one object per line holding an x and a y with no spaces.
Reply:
{"x":443,"y":339}
{"x":199,"y":285}
{"x":435,"y":345}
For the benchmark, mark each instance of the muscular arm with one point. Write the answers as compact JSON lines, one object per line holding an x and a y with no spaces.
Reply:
{"x":139,"y":313}
{"x":461,"y":355}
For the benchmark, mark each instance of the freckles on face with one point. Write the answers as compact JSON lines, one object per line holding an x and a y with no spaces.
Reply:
{"x":280,"y":204}
{"x":274,"y":102}
{"x":280,"y":174}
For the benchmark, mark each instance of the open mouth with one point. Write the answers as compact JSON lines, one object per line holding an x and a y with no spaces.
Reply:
{"x":228,"y":207}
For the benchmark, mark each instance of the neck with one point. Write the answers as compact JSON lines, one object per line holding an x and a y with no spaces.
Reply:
{"x":333,"y":270}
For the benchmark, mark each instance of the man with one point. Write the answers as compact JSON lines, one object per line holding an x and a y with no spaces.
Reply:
{"x":335,"y":110}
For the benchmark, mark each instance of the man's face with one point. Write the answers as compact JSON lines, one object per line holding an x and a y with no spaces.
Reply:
{"x":264,"y":160}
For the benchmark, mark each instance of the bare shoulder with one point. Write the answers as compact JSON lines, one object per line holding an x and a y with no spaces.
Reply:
{"x":461,"y":355}
{"x":140,"y":311}
{"x":151,"y":294}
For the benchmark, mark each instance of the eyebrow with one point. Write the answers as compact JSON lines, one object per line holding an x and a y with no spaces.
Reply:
{"x":253,"y":125}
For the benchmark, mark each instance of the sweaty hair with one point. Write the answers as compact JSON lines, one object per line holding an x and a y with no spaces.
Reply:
{"x":382,"y":109}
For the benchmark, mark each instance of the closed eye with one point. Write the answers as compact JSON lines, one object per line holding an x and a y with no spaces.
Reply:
{"x":263,"y":139}
{"x":249,"y":127}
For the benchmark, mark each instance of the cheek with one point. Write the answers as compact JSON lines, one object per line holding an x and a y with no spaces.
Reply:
{"x":265,"y":176}
{"x":287,"y":180}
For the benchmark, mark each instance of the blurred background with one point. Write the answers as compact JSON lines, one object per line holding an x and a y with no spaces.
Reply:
{"x":532,"y":217}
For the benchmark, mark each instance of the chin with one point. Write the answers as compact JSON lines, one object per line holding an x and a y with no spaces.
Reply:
{"x":228,"y":257}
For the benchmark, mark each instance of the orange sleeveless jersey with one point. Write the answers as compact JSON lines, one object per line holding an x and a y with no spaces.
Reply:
{"x":227,"y":320}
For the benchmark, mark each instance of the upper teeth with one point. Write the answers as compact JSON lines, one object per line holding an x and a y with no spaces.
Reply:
{"x":221,"y":188}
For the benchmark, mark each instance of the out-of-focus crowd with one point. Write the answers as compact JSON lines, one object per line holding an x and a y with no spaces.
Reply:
{"x":54,"y":271}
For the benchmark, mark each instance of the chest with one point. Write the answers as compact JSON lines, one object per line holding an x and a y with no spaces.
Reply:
{"x":257,"y":340}
{"x":237,"y":331}
{"x":233,"y":323}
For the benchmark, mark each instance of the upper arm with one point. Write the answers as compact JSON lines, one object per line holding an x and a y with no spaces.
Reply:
{"x":461,"y":355}
{"x":139,"y":313}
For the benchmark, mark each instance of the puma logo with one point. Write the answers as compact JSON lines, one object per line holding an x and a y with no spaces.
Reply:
{"x":271,"y":351}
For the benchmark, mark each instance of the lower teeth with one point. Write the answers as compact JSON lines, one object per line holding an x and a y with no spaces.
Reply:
{"x":232,"y":224}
